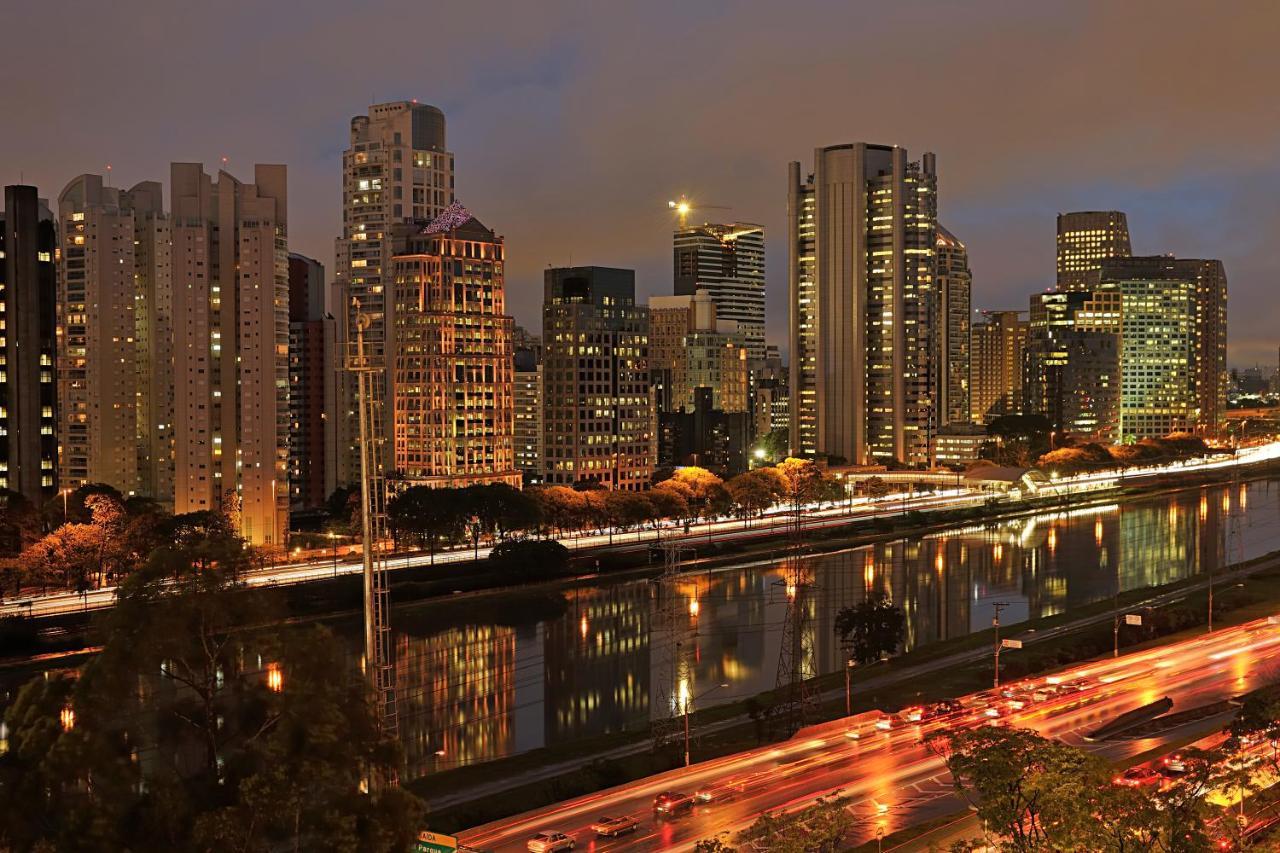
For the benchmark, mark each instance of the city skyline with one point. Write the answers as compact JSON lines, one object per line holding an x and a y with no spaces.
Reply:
{"x":583,"y":181}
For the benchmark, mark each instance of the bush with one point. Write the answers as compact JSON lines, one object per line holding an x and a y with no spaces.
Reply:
{"x":530,"y":558}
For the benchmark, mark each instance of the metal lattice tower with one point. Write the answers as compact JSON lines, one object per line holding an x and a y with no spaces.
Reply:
{"x":673,"y":635}
{"x":370,"y":375}
{"x":797,"y":662}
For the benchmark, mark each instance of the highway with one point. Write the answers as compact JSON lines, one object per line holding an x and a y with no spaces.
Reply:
{"x":776,"y":519}
{"x":892,"y":779}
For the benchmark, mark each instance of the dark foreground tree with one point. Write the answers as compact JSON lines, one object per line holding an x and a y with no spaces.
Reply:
{"x":200,"y":726}
{"x":871,"y":628}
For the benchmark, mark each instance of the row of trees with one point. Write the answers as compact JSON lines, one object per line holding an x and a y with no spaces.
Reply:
{"x":1093,"y":457}
{"x":205,"y":723}
{"x":434,"y":518}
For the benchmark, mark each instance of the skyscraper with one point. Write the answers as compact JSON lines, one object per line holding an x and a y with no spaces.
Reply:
{"x":697,"y":350}
{"x":861,"y":266}
{"x":1156,"y":303}
{"x":28,"y":393}
{"x":598,"y":411}
{"x":114,"y":403}
{"x":230,"y":357}
{"x":453,"y":415}
{"x":1072,"y":369}
{"x":995,"y":383}
{"x":955,"y":285}
{"x":528,"y":435}
{"x":397,"y":169}
{"x":1085,"y":240}
{"x":727,"y":261}
{"x":313,"y":392}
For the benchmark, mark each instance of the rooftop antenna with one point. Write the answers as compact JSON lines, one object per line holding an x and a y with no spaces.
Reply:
{"x":108,"y":174}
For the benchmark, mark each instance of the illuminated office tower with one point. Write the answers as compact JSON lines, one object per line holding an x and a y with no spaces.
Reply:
{"x":955,"y":285}
{"x":528,"y":416}
{"x":231,"y":345}
{"x":697,"y":350}
{"x":727,"y":261}
{"x":28,"y":393}
{"x":995,"y":383}
{"x":861,"y":267}
{"x":1208,"y":308}
{"x":1085,"y":240}
{"x":114,"y":412}
{"x":397,"y":169}
{"x":1155,"y":319}
{"x":598,"y":411}
{"x":453,"y":375}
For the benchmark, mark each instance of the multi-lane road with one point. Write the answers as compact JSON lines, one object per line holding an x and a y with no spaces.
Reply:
{"x":814,"y":518}
{"x":892,"y":779}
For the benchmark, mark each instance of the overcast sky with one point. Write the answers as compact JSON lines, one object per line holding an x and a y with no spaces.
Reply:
{"x":574,"y":123}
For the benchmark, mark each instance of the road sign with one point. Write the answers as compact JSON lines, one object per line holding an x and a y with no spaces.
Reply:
{"x":434,"y":842}
{"x":1011,"y":644}
{"x":1132,"y":619}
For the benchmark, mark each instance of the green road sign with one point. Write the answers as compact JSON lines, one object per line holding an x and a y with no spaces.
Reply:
{"x":434,"y":842}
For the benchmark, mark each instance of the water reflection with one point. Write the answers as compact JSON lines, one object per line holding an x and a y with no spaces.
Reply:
{"x":606,"y":657}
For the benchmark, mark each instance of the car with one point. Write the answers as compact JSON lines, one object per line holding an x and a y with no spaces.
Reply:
{"x":612,"y":827}
{"x":721,"y":794}
{"x":1137,"y":777}
{"x":549,"y":841}
{"x":672,"y":802}
{"x":1172,"y":766}
{"x":886,"y":723}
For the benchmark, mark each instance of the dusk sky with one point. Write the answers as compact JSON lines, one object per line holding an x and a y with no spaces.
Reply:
{"x":574,"y":123}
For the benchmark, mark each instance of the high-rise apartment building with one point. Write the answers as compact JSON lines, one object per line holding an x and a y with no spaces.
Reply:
{"x":231,"y":345}
{"x":114,"y":399}
{"x":727,"y":261}
{"x":955,"y":290}
{"x":313,"y":387}
{"x":598,"y":410}
{"x":1085,"y":240}
{"x":452,"y":374}
{"x":861,"y":267}
{"x":995,"y":382}
{"x":397,"y":169}
{"x":28,"y":393}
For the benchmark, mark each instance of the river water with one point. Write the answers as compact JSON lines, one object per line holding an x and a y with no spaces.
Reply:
{"x":487,"y":677}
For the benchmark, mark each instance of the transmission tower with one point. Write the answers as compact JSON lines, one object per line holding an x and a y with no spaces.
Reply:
{"x":797,"y":664}
{"x":673,"y":638}
{"x":370,"y":374}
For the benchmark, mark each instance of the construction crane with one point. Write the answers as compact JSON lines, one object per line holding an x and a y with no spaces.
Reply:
{"x":683,"y":207}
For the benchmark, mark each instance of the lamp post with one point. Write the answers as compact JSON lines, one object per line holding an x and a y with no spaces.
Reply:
{"x":333,"y":544}
{"x":848,"y":687}
{"x":687,"y":702}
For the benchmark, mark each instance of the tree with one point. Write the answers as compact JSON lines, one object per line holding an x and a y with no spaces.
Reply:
{"x":870,"y":629}
{"x":20,"y":523}
{"x":1024,"y":787}
{"x":202,"y":725}
{"x":874,"y":488}
{"x":801,"y":481}
{"x":820,"y":828}
{"x":530,"y":558}
{"x":1018,"y":439}
{"x":704,"y":493}
{"x":753,"y":492}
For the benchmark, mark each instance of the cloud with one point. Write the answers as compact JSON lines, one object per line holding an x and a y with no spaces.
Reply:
{"x":573,"y":123}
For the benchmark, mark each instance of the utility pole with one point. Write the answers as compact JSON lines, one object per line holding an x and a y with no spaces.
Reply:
{"x":995,"y":621}
{"x":373,"y":495}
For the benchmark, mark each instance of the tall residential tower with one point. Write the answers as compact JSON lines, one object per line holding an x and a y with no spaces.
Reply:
{"x":230,"y":356}
{"x":1085,"y":239}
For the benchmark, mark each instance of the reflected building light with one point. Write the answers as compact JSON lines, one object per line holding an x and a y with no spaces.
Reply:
{"x":1097,"y":531}
{"x":1204,"y":507}
{"x":997,"y":551}
{"x":1053,"y":539}
{"x":67,"y":718}
{"x":939,"y":563}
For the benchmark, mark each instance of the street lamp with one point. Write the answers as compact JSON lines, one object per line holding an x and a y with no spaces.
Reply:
{"x":333,"y":543}
{"x":686,"y":701}
{"x":848,"y":687}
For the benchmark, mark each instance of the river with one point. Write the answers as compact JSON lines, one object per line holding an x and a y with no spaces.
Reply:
{"x":498,"y":675}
